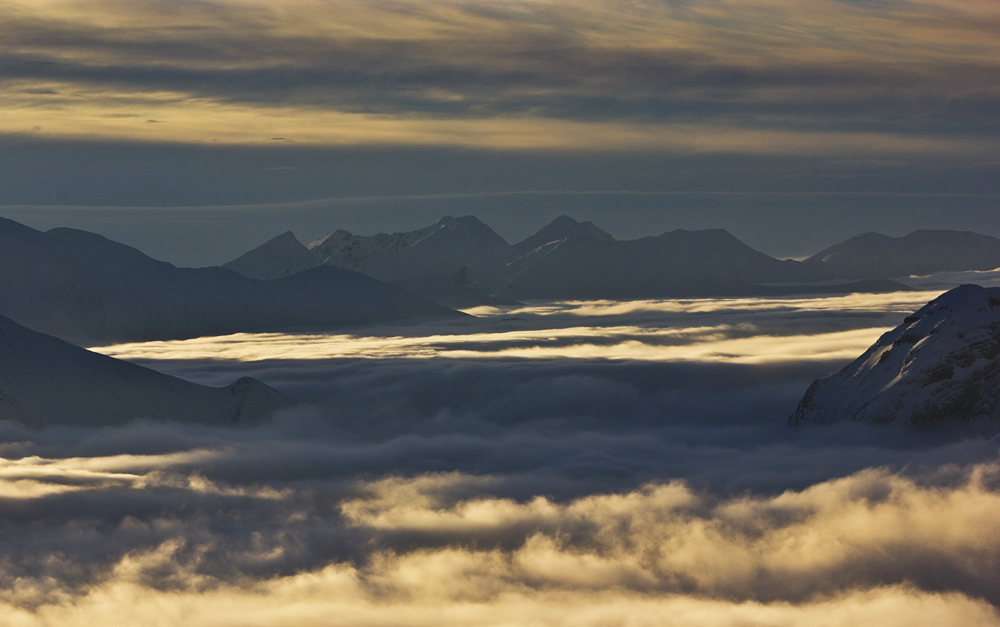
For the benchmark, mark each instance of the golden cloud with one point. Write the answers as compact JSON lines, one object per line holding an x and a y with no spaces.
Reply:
{"x":672,"y":341}
{"x":525,"y":74}
{"x":873,"y":548}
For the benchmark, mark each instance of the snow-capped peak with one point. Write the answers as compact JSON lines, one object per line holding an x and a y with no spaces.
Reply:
{"x":941,"y":366}
{"x":459,"y":249}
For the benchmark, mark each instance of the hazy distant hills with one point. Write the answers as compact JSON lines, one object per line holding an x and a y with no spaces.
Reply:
{"x":941,"y":367}
{"x":678,"y":263}
{"x":45,"y":381}
{"x":874,"y":256}
{"x":461,"y":262}
{"x":87,"y":289}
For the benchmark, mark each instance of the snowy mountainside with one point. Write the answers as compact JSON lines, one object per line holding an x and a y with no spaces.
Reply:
{"x":452,"y":249}
{"x":940,"y":367}
{"x":45,"y":381}
{"x":276,"y":258}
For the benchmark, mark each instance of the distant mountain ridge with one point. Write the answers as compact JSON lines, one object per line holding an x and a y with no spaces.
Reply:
{"x":922,"y":252}
{"x":456,"y":249}
{"x":461,"y":262}
{"x":940,"y":367}
{"x":679,"y":263}
{"x":89,"y":290}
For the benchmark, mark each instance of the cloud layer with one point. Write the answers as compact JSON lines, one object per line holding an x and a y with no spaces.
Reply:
{"x":769,"y":76}
{"x":494,"y":490}
{"x":749,"y":330}
{"x":873,"y":547}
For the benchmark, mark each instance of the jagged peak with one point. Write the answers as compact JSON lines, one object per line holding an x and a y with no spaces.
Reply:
{"x":563,"y":227}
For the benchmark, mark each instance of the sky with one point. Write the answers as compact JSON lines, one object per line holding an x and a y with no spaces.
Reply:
{"x":197,"y":129}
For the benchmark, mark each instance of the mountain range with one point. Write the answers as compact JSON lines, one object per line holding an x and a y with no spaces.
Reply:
{"x":940,"y":367}
{"x":461,"y":262}
{"x":86,"y":289}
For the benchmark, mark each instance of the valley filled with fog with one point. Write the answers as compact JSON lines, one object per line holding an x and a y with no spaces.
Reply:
{"x":577,"y":463}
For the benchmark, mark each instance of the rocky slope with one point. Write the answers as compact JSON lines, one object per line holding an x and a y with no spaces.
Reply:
{"x":941,"y":367}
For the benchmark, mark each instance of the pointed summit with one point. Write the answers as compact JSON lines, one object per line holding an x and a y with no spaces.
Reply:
{"x":276,"y":258}
{"x":559,"y":229}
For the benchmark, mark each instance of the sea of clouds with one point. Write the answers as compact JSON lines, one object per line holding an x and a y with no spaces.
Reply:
{"x":556,"y":464}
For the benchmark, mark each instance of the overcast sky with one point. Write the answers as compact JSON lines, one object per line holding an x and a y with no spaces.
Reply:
{"x":791,"y":123}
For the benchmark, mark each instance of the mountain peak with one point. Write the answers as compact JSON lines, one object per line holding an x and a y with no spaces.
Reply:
{"x":462,"y":221}
{"x":459,"y":249}
{"x":562,"y":228}
{"x":941,"y":366}
{"x":470,"y":225}
{"x":278,"y":257}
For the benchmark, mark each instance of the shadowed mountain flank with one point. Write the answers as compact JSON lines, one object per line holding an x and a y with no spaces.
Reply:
{"x":276,"y":258}
{"x":876,"y":256}
{"x":84,"y":288}
{"x":45,"y":381}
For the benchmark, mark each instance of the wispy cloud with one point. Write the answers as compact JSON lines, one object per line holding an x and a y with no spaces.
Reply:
{"x":616,"y":343}
{"x":749,"y":330}
{"x":765,"y":76}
